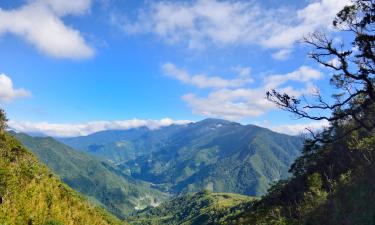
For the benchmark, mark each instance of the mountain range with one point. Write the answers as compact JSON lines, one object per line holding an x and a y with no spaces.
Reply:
{"x":129,"y":172}
{"x":213,"y":154}
{"x":179,"y":174}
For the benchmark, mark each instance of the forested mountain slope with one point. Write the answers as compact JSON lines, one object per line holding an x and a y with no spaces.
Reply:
{"x":212,"y":154}
{"x":31,"y":194}
{"x":201,"y":208}
{"x":332,"y":184}
{"x":220,"y":156}
{"x":103,"y":183}
{"x":117,"y":146}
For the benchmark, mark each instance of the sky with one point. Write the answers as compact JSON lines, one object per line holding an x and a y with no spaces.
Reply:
{"x":70,"y":68}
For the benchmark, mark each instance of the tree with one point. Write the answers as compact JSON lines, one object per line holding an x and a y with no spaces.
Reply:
{"x":3,"y":121}
{"x":354,"y":74}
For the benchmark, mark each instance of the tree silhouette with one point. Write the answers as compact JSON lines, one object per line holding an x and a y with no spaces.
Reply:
{"x":353,"y":73}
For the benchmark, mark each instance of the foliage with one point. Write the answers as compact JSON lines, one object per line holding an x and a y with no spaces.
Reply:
{"x":3,"y":121}
{"x":31,"y":194}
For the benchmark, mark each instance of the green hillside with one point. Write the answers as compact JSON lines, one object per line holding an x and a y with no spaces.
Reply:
{"x":212,"y":154}
{"x":202,"y":208}
{"x":220,"y":156}
{"x":101,"y":182}
{"x":31,"y":194}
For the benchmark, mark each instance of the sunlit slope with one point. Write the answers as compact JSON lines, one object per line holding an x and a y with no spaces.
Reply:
{"x":32,"y":194}
{"x":115,"y":191}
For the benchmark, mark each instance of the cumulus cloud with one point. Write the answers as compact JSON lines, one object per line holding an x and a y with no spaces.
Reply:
{"x":303,"y":74}
{"x":234,"y":103}
{"x":297,"y":129}
{"x":205,"y":81}
{"x":230,"y":104}
{"x":8,"y":92}
{"x":199,"y":22}
{"x":81,"y":129}
{"x":40,"y":23}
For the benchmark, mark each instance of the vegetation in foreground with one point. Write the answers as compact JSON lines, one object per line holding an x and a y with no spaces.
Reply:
{"x":31,"y":194}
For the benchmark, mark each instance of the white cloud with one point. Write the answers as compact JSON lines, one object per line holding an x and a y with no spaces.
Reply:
{"x":72,"y":130}
{"x":204,"y":81}
{"x":8,"y":92}
{"x":316,"y":15}
{"x":39,"y":22}
{"x":335,"y":62}
{"x":61,"y":7}
{"x":230,"y":104}
{"x":236,"y":103}
{"x":303,"y":74}
{"x":232,"y":23}
{"x":242,"y":71}
{"x":282,"y":54}
{"x":297,"y":129}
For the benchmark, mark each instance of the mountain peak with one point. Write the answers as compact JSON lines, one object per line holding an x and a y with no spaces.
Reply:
{"x":209,"y":122}
{"x":214,"y":121}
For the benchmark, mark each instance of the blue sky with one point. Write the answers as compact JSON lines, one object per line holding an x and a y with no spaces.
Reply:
{"x":66,"y":66}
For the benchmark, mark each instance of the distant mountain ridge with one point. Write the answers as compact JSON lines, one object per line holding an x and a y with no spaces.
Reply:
{"x":213,"y":154}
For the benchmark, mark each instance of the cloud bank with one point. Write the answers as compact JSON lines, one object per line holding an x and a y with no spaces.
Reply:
{"x":40,"y":23}
{"x":82,"y":129}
